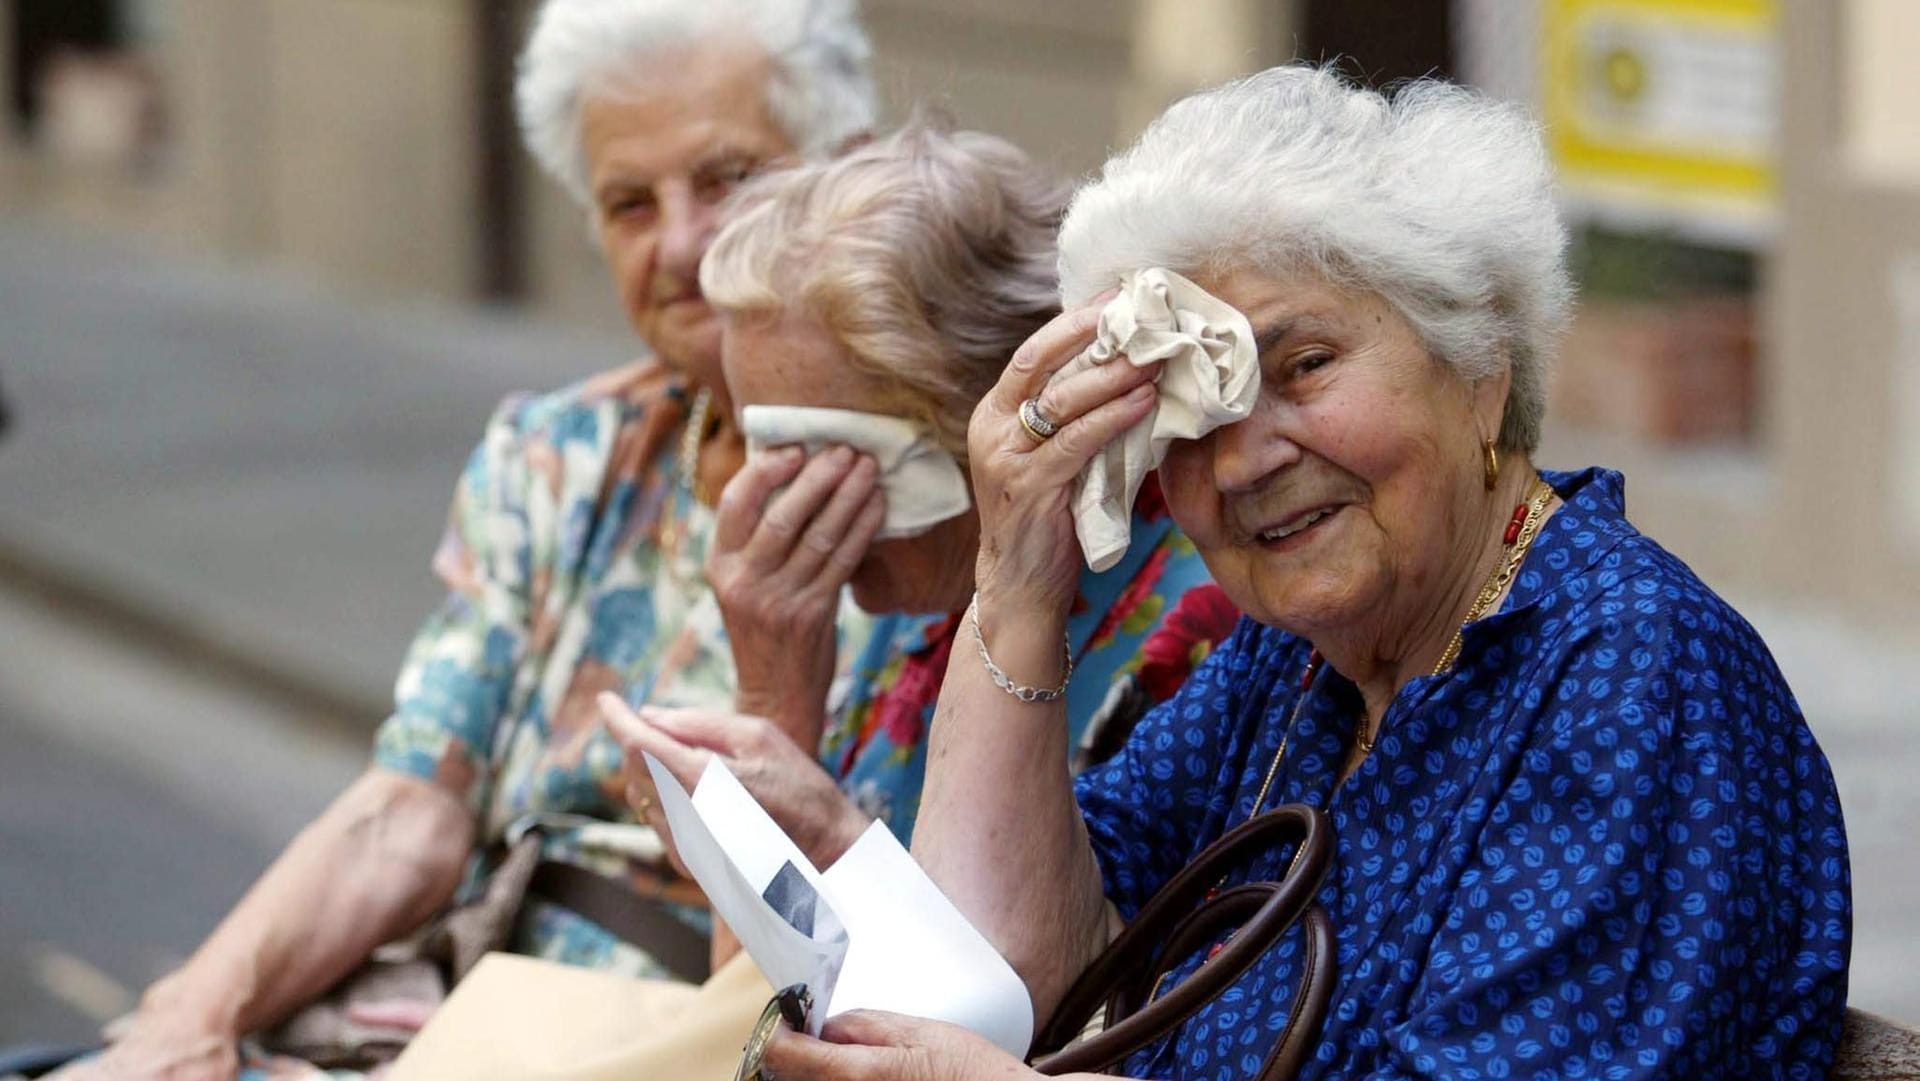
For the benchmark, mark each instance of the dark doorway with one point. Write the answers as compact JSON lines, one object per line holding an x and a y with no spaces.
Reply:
{"x":1380,"y":41}
{"x":41,"y":30}
{"x":500,"y":251}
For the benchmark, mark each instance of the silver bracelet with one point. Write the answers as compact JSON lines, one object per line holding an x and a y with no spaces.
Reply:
{"x":1004,"y":681}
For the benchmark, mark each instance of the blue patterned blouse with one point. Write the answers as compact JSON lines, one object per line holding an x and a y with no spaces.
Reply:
{"x":1605,"y":845}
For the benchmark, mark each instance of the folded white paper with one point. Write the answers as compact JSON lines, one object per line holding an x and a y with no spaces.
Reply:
{"x":877,"y":934}
{"x":923,"y":484}
{"x":1209,"y":376}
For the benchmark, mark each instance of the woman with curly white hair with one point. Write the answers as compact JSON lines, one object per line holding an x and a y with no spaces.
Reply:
{"x":573,"y":562}
{"x":1570,"y":819}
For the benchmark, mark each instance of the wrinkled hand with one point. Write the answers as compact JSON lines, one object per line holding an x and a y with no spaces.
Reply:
{"x":157,"y":1048}
{"x":1029,"y":564}
{"x":777,"y":565}
{"x":796,"y":792}
{"x":406,"y":1014}
{"x":867,"y":1045}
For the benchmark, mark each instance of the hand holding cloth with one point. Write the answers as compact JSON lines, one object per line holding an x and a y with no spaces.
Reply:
{"x":923,"y":484}
{"x":1209,"y":376}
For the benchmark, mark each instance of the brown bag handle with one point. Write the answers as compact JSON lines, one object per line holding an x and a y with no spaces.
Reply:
{"x":1185,"y":915}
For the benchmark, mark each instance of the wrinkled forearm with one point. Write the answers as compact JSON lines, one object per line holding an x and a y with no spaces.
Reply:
{"x":999,"y":829}
{"x":382,"y":858}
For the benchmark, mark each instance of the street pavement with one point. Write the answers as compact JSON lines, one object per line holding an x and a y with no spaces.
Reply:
{"x":138,"y":798}
{"x":216,"y":510}
{"x":261,"y":465}
{"x":218,"y":498}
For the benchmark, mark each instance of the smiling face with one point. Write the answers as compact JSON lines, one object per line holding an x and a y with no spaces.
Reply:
{"x":1349,"y":503}
{"x":664,"y":149}
{"x":793,"y":360}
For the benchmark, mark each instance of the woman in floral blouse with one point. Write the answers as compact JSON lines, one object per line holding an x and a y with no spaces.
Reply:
{"x":573,"y":555}
{"x":957,"y":229}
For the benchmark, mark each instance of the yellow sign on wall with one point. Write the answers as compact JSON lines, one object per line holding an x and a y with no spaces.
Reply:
{"x":1667,"y":109}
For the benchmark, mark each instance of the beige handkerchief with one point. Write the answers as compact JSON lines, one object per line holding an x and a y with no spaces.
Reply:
{"x":923,"y":484}
{"x":1209,"y":376}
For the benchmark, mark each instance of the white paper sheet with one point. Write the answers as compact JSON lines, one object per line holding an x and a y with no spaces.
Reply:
{"x":735,"y":874}
{"x":884,"y":936}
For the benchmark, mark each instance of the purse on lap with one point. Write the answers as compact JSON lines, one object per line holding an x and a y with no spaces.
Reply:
{"x":1189,"y":913}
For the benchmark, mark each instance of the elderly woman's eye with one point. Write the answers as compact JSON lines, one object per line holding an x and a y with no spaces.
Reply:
{"x":715,"y":183}
{"x":1311,"y":362}
{"x":628,"y":207}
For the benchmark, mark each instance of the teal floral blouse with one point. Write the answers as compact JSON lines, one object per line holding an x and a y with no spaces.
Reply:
{"x":1136,"y":630}
{"x":573,"y":558}
{"x":573,"y":563}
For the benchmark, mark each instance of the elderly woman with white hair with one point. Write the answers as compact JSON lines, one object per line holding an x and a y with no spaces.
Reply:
{"x":1577,"y":824}
{"x":574,"y":564}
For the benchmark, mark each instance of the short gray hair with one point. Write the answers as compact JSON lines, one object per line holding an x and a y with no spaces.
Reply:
{"x":928,"y":254}
{"x":1436,"y":198}
{"x":821,"y":91}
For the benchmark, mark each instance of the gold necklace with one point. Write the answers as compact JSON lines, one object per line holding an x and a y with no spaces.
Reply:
{"x":686,"y":474}
{"x":1306,"y":692}
{"x":1523,"y":528}
{"x":1519,"y":537}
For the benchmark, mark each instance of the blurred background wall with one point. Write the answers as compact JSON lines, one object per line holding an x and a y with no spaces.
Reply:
{"x":1744,"y":177}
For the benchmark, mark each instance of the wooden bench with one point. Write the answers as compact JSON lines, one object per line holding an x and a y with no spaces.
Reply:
{"x":1876,"y":1049}
{"x":1872,"y":1048}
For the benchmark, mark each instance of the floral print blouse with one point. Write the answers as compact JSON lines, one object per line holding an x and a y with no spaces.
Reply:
{"x":1136,"y":630}
{"x":573,"y":559}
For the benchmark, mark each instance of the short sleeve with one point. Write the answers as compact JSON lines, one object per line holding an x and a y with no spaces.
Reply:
{"x":1144,"y":807}
{"x":1660,"y":891}
{"x":458,"y":677}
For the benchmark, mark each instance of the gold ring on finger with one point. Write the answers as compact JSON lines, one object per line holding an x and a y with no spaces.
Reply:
{"x":1036,"y":422}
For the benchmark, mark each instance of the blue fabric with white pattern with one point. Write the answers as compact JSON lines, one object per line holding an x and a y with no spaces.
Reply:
{"x":1605,"y":845}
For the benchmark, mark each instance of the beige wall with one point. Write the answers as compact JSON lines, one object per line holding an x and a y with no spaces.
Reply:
{"x":338,"y":136}
{"x":386,"y":90}
{"x":335,"y":136}
{"x":1825,"y":510}
{"x":1839,"y":428}
{"x":1066,"y":79}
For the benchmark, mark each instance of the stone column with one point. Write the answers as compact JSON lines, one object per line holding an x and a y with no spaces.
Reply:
{"x":217,"y":74}
{"x":1180,"y":46}
{"x":1843,"y":380}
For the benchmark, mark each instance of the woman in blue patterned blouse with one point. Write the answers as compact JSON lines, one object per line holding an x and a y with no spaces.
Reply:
{"x":1582,"y":828}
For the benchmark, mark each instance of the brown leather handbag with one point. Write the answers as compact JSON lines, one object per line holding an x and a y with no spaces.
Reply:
{"x":1188,"y":914}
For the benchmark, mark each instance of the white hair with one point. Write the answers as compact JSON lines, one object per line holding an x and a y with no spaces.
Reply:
{"x":1437,"y":199}
{"x":821,"y":91}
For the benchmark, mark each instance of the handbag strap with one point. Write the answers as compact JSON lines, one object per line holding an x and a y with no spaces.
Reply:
{"x":1185,"y":914}
{"x":637,"y":920}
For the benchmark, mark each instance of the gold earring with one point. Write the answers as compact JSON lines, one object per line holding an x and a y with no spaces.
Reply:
{"x":1493,"y":465}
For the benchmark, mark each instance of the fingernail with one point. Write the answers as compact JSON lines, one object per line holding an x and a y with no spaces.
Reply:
{"x":609,"y":702}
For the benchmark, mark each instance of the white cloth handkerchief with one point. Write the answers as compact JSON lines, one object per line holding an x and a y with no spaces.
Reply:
{"x":1209,"y":376}
{"x":923,"y":484}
